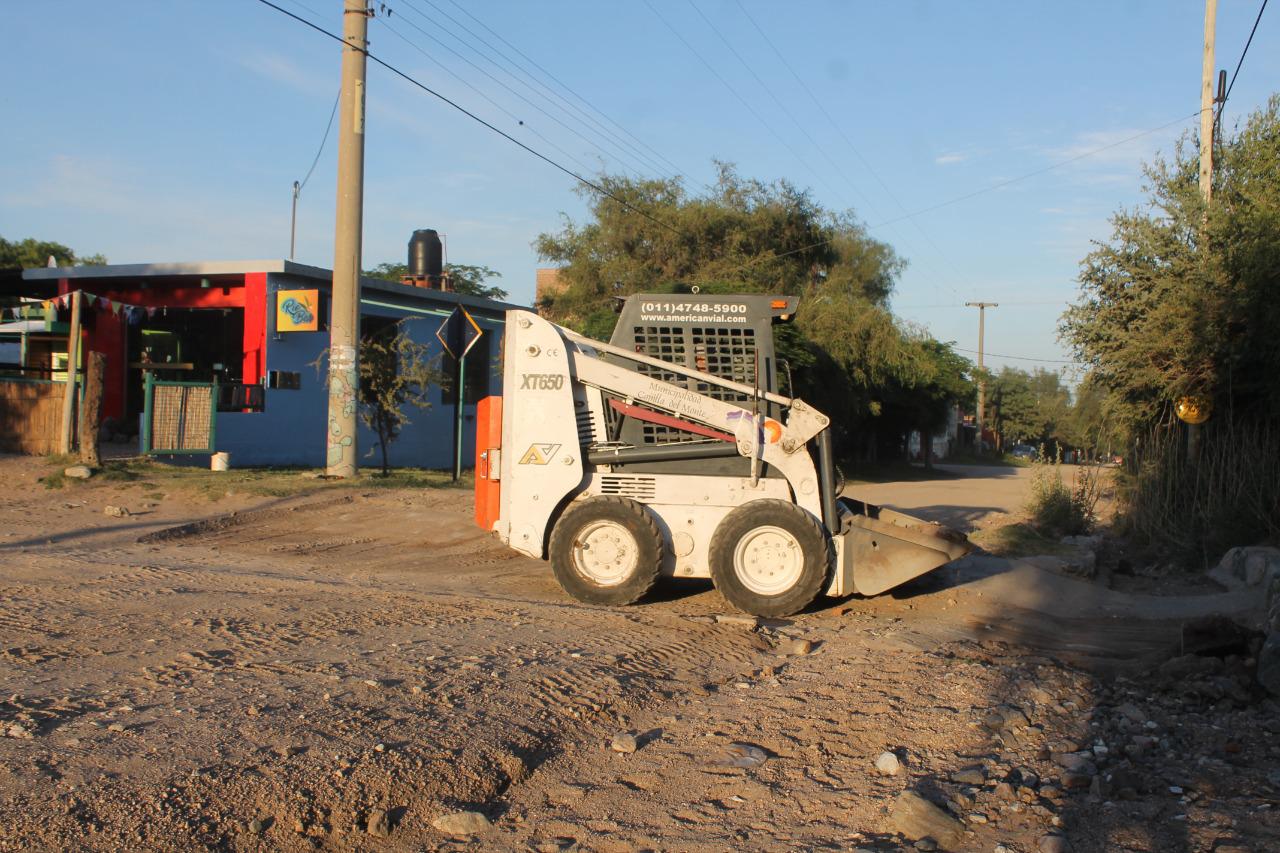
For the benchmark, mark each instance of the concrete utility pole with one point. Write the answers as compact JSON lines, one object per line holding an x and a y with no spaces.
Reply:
{"x":982,"y":382}
{"x":1206,"y":102}
{"x":344,"y":320}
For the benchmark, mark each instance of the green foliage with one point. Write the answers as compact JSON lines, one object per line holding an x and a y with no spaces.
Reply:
{"x":1181,"y":300}
{"x":30,"y":252}
{"x":847,"y":354}
{"x":468,"y":279}
{"x":1057,"y":509}
{"x":395,"y":371}
{"x":1033,"y":407}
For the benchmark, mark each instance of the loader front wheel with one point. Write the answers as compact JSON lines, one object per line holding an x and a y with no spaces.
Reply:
{"x":606,"y":550}
{"x":769,"y":558}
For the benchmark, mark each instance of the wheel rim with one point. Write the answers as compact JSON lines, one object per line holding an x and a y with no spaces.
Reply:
{"x":605,"y":553}
{"x":768,"y":560}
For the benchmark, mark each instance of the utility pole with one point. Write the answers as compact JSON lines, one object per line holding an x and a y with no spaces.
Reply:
{"x":1206,"y":157}
{"x":344,"y":320}
{"x":1206,"y":102}
{"x":982,"y":379}
{"x":65,"y":440}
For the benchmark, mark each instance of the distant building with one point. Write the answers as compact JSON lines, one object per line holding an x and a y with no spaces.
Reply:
{"x":259,"y":329}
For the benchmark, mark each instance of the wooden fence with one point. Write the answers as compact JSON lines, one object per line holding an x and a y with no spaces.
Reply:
{"x":30,"y":415}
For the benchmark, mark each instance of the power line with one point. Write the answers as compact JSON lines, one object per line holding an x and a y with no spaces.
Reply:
{"x":961,"y":305}
{"x":567,"y":88}
{"x":328,"y":127}
{"x":578,"y":115}
{"x":478,"y":120}
{"x":754,"y":112}
{"x":503,"y":85}
{"x":1243,"y":53}
{"x":1049,"y":168}
{"x":499,"y":107}
{"x":776,"y":100}
{"x":991,"y":188}
{"x":1022,"y":357}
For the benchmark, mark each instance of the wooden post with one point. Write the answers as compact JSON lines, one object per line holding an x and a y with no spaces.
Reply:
{"x":67,"y":434}
{"x":91,"y":408}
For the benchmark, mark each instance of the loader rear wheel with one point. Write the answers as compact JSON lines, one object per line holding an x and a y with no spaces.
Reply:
{"x":769,"y":558}
{"x":606,"y":550}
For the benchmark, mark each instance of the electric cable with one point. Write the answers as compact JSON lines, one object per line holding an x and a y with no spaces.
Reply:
{"x":499,"y":107}
{"x":987,"y":354}
{"x":1243,"y":53}
{"x":675,"y":168}
{"x":522,"y":76}
{"x":407,"y":78}
{"x":747,"y":104}
{"x":328,"y":127}
{"x":987,"y":189}
{"x":510,"y":90}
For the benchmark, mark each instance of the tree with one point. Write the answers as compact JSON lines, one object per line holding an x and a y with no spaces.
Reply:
{"x":1180,"y":301}
{"x":395,"y":371}
{"x":468,"y":279}
{"x":845,"y":349}
{"x":30,"y":252}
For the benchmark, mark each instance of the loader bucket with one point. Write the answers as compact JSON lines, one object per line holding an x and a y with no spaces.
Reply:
{"x":885,"y":548}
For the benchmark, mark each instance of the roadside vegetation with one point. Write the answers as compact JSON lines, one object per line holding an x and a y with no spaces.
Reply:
{"x":1179,"y":306}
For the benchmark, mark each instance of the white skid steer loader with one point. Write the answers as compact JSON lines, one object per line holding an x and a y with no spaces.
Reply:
{"x":670,"y":451}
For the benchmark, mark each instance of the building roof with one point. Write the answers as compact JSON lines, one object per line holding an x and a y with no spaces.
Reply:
{"x":229,"y":268}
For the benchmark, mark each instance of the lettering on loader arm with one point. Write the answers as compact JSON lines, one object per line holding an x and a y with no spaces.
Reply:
{"x":539,"y":454}
{"x":541,"y":381}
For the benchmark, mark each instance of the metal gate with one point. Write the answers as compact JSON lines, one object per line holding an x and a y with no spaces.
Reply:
{"x":178,"y":417}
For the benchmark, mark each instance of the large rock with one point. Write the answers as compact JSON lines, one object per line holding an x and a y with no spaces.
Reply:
{"x":78,"y":472}
{"x":1252,"y":566}
{"x":915,"y":817}
{"x":1269,"y":664}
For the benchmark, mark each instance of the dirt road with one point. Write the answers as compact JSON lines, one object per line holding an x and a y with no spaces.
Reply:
{"x":338,"y":670}
{"x":963,"y":497}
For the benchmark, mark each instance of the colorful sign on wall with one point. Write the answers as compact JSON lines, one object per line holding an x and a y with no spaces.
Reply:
{"x":297,"y":310}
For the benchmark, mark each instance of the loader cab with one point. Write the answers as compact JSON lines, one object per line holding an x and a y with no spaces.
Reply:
{"x":729,"y":336}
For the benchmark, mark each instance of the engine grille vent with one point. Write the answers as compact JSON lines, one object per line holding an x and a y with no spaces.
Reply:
{"x":640,"y":488}
{"x":586,"y":429}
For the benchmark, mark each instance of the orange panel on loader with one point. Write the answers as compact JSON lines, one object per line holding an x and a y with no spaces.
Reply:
{"x":488,"y":448}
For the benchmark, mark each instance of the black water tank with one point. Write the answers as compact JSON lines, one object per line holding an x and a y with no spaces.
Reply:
{"x":426,"y":255}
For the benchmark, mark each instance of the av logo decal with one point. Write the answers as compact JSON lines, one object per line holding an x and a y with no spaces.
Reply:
{"x":539,"y":454}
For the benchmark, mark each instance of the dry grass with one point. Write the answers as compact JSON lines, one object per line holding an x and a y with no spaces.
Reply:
{"x":1192,"y":507}
{"x":159,"y":477}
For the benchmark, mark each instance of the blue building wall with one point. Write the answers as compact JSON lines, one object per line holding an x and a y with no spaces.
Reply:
{"x":291,"y":430}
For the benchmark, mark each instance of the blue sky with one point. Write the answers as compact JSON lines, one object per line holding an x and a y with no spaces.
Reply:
{"x":175,"y":131}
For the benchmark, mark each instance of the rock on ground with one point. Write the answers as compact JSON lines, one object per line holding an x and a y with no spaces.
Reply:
{"x":915,"y":817}
{"x":888,"y":764}
{"x":379,"y":823}
{"x":78,"y":472}
{"x":462,"y":823}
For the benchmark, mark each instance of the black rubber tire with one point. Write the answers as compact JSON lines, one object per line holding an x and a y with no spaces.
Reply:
{"x":628,"y":514}
{"x":815,"y":567}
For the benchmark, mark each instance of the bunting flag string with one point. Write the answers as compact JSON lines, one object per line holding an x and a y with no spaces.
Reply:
{"x":18,"y":312}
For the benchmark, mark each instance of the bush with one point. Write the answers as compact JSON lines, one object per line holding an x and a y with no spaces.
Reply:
{"x":1057,"y":509}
